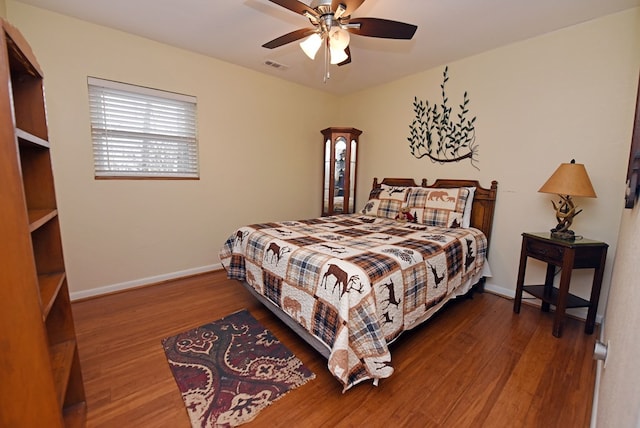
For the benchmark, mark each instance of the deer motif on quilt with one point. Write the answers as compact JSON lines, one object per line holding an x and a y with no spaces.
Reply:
{"x":276,"y":252}
{"x":341,"y":277}
{"x":391,"y":294}
{"x":239,"y":236}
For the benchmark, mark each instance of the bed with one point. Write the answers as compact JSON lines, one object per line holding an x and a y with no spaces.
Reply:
{"x":350,"y":284}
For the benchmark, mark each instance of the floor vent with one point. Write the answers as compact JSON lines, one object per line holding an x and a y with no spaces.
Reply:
{"x":276,"y":65}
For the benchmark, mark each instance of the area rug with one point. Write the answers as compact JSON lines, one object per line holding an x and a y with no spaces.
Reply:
{"x":229,"y":370}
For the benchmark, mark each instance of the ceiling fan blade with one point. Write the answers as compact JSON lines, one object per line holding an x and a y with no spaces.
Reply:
{"x":289,"y":37}
{"x":294,"y":6}
{"x":384,"y":28}
{"x":350,"y":5}
{"x":348,"y":60}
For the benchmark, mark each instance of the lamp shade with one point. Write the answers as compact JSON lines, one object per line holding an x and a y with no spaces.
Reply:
{"x":339,"y":38}
{"x":311,"y":44}
{"x":338,"y":55}
{"x":570,"y":179}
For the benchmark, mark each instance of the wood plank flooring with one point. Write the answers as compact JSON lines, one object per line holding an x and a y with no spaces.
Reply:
{"x":476,"y":364}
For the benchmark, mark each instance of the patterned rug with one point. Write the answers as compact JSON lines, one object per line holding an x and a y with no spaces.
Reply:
{"x":229,"y":370}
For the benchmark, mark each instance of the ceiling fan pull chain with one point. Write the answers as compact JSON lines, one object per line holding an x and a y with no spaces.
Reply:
{"x":327,"y":72}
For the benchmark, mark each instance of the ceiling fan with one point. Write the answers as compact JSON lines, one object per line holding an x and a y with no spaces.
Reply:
{"x":332,"y":25}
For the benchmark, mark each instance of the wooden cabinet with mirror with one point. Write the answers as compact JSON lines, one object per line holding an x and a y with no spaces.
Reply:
{"x":339,"y":178}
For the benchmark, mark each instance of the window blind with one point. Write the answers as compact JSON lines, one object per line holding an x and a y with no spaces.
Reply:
{"x":142,"y":132}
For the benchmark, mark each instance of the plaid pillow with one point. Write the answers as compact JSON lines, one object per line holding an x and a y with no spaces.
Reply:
{"x":437,"y":207}
{"x":385,"y":201}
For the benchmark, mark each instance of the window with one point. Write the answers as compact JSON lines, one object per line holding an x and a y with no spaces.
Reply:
{"x":140,"y":132}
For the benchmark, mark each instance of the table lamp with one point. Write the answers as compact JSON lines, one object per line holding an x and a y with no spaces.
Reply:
{"x":570,"y":179}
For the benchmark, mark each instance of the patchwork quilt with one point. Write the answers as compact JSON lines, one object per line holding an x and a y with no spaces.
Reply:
{"x":355,"y":282}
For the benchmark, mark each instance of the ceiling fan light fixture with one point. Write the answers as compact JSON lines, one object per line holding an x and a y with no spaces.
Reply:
{"x":337,"y":55}
{"x":339,"y":38}
{"x":311,"y":45}
{"x":332,"y":25}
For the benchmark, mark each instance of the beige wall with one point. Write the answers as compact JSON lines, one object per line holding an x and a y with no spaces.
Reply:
{"x":259,"y":141}
{"x":568,"y":94}
{"x":3,"y":8}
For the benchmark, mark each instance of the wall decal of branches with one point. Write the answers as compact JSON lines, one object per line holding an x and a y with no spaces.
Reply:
{"x":435,"y":135}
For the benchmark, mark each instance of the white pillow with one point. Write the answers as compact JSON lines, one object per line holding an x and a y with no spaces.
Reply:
{"x":466,"y":216}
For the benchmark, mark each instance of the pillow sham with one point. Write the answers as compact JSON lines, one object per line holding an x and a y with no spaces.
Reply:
{"x":440,"y":207}
{"x":385,"y":201}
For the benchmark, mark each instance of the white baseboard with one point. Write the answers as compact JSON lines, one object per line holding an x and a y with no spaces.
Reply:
{"x":509,"y":293}
{"x":76,"y":295}
{"x":500,"y":291}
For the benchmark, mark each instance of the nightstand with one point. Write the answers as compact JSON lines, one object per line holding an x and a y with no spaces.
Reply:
{"x":568,"y":255}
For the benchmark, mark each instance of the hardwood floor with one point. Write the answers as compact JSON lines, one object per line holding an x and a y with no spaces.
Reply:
{"x":475,"y":364}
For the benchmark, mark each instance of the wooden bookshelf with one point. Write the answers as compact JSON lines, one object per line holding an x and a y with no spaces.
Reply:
{"x":39,"y":363}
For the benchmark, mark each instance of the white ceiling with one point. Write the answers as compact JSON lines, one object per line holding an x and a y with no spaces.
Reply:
{"x":234,"y":31}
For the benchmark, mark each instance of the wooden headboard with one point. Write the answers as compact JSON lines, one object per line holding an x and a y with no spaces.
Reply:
{"x":484,"y":200}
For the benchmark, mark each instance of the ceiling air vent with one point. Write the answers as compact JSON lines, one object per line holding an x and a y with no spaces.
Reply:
{"x":276,"y":65}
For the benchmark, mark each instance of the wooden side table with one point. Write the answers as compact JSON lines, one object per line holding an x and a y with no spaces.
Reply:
{"x":568,"y":255}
